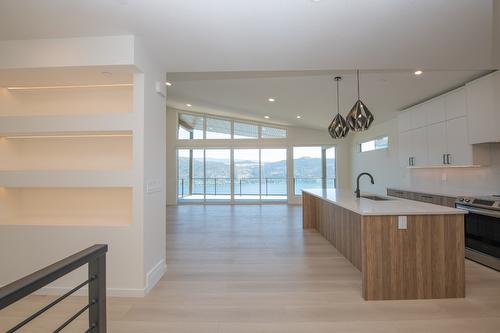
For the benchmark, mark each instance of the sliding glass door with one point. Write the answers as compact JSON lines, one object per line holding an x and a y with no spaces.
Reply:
{"x":246,"y":174}
{"x":313,"y":167}
{"x":232,"y":174}
{"x":191,"y":174}
{"x":273,"y":174}
{"x":218,"y":174}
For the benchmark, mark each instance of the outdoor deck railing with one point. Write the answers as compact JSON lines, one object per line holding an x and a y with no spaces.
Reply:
{"x":266,"y":186}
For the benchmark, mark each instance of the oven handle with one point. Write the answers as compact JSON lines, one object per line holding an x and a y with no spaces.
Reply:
{"x":479,"y":211}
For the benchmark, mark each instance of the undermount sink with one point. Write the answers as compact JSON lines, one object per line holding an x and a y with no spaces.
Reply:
{"x":375,"y":197}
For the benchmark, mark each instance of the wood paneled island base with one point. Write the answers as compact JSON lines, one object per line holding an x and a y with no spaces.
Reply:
{"x":424,"y":261}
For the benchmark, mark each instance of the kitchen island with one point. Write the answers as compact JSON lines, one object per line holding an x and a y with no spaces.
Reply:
{"x":404,"y":249}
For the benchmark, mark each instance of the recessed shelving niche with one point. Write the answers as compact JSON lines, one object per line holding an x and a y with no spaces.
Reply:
{"x":66,"y":146}
{"x":66,"y":206}
{"x":65,"y":91}
{"x":112,"y":151}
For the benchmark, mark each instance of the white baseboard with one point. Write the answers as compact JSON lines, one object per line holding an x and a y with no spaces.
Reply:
{"x":155,"y":274}
{"x":113,"y":292}
{"x":152,"y":278}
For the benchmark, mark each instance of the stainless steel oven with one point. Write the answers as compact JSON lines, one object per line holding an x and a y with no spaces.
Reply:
{"x":482,"y":229}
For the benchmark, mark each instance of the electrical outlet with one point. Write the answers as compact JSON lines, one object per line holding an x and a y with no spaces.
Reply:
{"x":153,"y":186}
{"x":402,"y":222}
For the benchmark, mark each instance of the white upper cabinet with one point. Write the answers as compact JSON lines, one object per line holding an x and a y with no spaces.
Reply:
{"x":419,"y":143}
{"x":435,"y":110}
{"x":404,"y":146}
{"x":456,"y":140}
{"x":436,"y":136}
{"x":404,"y":121}
{"x":455,"y":104}
{"x":418,"y":116}
{"x":440,"y":132}
{"x":483,"y":109}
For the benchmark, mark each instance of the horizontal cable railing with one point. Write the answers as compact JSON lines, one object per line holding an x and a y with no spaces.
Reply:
{"x":95,"y":257}
{"x":265,"y":186}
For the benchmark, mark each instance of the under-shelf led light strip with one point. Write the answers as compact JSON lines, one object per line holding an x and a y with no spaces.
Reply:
{"x":62,"y":136}
{"x":72,"y":86}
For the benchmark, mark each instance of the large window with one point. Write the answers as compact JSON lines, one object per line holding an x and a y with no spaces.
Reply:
{"x":313,"y":167}
{"x":191,"y":173}
{"x":192,"y":127}
{"x":273,"y":132}
{"x":273,"y":173}
{"x":218,"y":174}
{"x":239,"y":174}
{"x":246,"y":174}
{"x":245,"y":131}
{"x":218,"y":129}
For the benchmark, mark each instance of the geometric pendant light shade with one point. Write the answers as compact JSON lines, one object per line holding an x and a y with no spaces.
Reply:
{"x":359,"y":118}
{"x":338,"y":127}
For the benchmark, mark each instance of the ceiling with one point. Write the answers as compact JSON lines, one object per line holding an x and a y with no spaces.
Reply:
{"x":309,"y":94}
{"x":250,"y":35}
{"x":228,"y":56}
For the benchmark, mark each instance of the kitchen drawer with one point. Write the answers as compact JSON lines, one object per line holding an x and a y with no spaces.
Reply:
{"x":429,"y":198}
{"x":448,"y":201}
{"x":397,"y":193}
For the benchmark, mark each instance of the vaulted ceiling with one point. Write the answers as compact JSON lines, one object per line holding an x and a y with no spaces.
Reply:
{"x":230,"y":56}
{"x":309,"y":94}
{"x":249,"y":35}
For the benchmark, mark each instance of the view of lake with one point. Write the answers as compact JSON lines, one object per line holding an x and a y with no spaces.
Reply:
{"x":274,"y":181}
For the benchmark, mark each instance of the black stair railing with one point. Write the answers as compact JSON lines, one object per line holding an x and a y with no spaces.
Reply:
{"x":95,"y":257}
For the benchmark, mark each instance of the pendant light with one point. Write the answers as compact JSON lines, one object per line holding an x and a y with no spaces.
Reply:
{"x":359,"y":118}
{"x":338,"y":127}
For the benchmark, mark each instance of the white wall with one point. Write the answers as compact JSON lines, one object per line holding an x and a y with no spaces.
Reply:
{"x":154,"y":154}
{"x":457,"y":181}
{"x":384,"y":166}
{"x":296,"y":137}
{"x":136,"y":250}
{"x":65,"y":52}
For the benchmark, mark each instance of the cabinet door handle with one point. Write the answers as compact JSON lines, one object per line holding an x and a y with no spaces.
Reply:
{"x":444,"y":158}
{"x":409,"y":161}
{"x":448,"y":159}
{"x":413,"y":161}
{"x":427,"y":196}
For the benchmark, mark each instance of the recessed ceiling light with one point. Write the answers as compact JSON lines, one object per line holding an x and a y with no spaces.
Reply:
{"x":267,"y":117}
{"x":298,"y":117}
{"x":168,"y":84}
{"x":188,"y":105}
{"x":419,"y":72}
{"x":271,"y":99}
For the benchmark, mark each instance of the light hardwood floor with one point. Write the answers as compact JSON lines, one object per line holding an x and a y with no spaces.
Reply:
{"x":252,"y":268}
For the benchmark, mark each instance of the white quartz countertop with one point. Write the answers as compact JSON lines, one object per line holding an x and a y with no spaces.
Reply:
{"x":396,"y":206}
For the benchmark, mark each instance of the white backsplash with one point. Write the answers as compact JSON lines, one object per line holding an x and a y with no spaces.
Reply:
{"x":467,"y":181}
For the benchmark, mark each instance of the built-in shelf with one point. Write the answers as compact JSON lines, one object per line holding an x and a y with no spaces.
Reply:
{"x":66,"y":100}
{"x":68,"y":152}
{"x":76,"y":124}
{"x":66,"y":178}
{"x":66,"y":147}
{"x":93,"y":206}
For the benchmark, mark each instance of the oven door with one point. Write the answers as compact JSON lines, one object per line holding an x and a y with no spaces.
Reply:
{"x":482,"y":232}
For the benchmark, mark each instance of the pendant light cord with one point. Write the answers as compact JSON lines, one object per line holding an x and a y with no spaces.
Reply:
{"x":338,"y":101}
{"x":357,"y":74}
